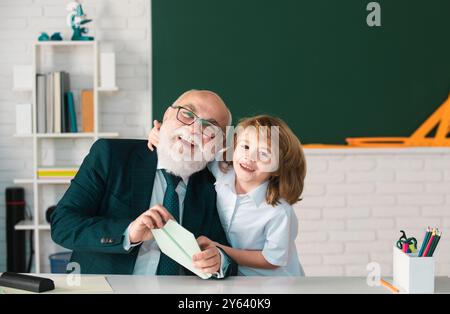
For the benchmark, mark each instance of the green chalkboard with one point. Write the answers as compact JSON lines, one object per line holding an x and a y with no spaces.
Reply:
{"x":314,"y":63}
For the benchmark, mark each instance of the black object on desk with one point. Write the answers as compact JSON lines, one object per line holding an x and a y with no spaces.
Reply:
{"x":26,"y":282}
{"x":15,"y":239}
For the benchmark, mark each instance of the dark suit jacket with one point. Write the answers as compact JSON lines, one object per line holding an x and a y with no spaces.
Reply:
{"x":112,"y":188}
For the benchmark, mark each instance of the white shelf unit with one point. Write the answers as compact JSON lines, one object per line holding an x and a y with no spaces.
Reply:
{"x":42,"y":181}
{"x":36,"y":224}
{"x":108,"y":89}
{"x":69,"y":135}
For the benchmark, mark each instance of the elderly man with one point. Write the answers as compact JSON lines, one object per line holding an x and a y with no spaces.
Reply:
{"x":123,"y":190}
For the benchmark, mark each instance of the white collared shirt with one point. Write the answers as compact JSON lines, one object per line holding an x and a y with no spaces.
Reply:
{"x":250,"y":223}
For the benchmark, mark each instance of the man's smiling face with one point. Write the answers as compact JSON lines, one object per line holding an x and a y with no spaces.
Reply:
{"x":192,"y":130}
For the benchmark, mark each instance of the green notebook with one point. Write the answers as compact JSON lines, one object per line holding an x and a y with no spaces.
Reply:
{"x":179,"y":244}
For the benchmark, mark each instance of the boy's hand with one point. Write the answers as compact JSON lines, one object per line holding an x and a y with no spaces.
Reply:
{"x":153,"y":137}
{"x":208,"y":260}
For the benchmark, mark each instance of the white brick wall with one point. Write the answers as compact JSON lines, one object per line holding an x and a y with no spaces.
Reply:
{"x":121,"y":26}
{"x":356,"y":201}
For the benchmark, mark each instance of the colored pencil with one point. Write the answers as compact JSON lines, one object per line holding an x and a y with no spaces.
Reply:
{"x":435,"y":244}
{"x":391,"y":287}
{"x":425,"y":240}
{"x":430,"y":242}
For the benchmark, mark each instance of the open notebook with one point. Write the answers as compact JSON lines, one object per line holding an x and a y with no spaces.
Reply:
{"x":179,"y":244}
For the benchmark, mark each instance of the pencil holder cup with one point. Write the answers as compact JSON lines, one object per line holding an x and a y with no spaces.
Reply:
{"x":413,"y":274}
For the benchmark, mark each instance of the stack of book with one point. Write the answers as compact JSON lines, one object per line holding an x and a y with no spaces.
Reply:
{"x":55,"y":103}
{"x":61,"y":172}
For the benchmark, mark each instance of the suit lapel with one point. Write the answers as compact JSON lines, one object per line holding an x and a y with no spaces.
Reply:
{"x":143,"y":177}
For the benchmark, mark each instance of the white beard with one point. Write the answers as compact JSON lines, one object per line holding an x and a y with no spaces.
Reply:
{"x":172,"y":156}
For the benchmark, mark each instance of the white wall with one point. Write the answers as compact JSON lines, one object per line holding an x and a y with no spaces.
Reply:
{"x":355,"y":203}
{"x":122,"y":26}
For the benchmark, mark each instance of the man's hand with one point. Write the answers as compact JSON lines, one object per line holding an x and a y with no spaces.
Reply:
{"x":153,"y":136}
{"x":208,"y":261}
{"x":141,"y":229}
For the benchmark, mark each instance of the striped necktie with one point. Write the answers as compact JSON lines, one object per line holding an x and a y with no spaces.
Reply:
{"x":166,"y":265}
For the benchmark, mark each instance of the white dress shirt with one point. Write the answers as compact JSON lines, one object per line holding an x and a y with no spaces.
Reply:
{"x":250,"y":223}
{"x":149,"y":252}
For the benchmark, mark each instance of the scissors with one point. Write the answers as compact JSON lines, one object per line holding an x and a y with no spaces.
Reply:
{"x":407,"y":245}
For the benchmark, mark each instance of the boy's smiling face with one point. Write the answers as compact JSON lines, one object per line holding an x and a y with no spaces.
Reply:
{"x":252,"y":158}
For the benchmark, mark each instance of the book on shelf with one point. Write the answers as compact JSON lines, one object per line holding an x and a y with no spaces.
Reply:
{"x":52,"y":100}
{"x":49,"y":103}
{"x":57,"y":102}
{"x":41,"y":103}
{"x":72,"y":116}
{"x":87,"y":110}
{"x":65,"y":88}
{"x":57,"y":172}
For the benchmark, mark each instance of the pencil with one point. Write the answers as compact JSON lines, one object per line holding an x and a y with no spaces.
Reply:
{"x":391,"y":287}
{"x":425,"y":240}
{"x":429,"y":243}
{"x":435,"y":244}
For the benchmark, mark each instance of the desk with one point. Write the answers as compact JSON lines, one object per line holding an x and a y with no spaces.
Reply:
{"x":126,"y":284}
{"x":252,"y":285}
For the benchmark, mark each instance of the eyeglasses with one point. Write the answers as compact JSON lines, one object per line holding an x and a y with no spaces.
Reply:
{"x":187,"y":117}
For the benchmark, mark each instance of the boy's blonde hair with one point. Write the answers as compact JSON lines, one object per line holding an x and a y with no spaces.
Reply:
{"x":288,"y":180}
